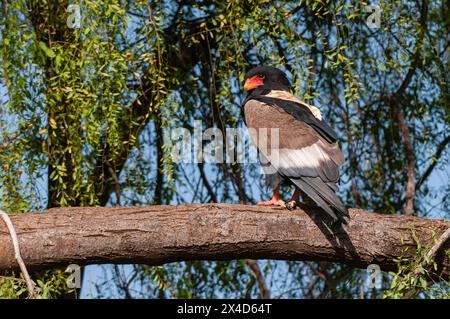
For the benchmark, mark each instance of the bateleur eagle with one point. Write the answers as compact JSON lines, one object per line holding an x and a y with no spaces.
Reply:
{"x":307,"y":155}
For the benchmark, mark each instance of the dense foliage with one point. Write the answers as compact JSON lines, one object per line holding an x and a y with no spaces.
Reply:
{"x":86,"y":114}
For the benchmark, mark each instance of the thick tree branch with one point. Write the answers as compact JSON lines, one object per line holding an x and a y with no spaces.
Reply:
{"x":409,"y":149}
{"x":159,"y":183}
{"x":161,"y":234}
{"x":434,"y":161}
{"x":259,"y":277}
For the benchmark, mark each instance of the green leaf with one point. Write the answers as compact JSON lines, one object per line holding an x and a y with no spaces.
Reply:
{"x":46,"y":50}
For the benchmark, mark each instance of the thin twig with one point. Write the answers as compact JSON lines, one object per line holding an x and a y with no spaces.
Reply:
{"x":211,"y":193}
{"x":8,"y":140}
{"x":30,"y":284}
{"x":442,"y":240}
{"x":439,"y":150}
{"x":428,"y":259}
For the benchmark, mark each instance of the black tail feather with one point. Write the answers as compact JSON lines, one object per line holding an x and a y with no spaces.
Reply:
{"x":323,"y":195}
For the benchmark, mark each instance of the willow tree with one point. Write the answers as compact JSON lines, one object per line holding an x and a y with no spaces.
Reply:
{"x":87,"y":107}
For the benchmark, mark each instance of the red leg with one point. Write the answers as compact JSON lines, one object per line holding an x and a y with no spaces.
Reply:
{"x":276,"y":201}
{"x":293,"y":201}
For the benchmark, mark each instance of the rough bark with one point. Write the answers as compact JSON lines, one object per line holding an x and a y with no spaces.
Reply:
{"x":162,"y":234}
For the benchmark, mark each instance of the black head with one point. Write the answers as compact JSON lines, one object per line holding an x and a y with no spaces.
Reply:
{"x":266,"y":78}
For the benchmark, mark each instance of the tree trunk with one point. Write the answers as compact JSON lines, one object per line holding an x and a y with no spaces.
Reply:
{"x":161,"y":234}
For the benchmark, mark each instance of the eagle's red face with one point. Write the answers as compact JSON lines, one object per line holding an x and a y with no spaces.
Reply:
{"x":253,"y":82}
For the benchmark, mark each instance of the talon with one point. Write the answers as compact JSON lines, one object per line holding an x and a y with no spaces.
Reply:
{"x":291,"y":205}
{"x":293,"y":202}
{"x":267,"y":203}
{"x":275,"y":201}
{"x":280,"y":203}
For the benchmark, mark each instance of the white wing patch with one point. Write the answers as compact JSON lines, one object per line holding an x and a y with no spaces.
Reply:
{"x":306,"y":157}
{"x":310,"y":161}
{"x":293,"y":161}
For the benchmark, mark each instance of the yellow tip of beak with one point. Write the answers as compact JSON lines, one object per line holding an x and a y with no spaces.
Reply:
{"x":247,"y":85}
